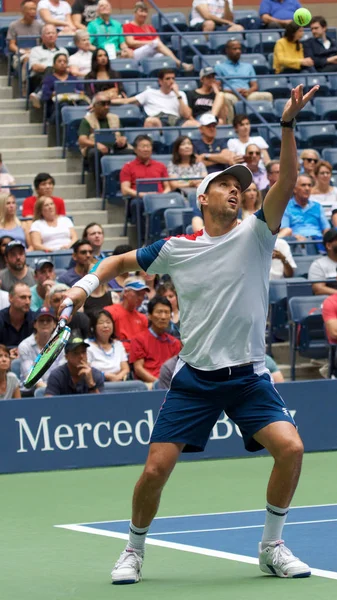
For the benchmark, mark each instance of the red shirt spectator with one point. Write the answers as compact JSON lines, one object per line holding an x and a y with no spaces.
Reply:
{"x":137,"y":169}
{"x":329,"y":313}
{"x":29,"y":203}
{"x":44,"y":184}
{"x":133,"y":29}
{"x":154,"y":349}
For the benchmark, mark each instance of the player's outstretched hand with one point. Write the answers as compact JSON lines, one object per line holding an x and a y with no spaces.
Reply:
{"x":297,"y":101}
{"x":78,"y":298}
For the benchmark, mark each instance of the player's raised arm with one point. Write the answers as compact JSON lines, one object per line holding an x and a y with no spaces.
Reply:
{"x":106,"y":269}
{"x":278,"y":197}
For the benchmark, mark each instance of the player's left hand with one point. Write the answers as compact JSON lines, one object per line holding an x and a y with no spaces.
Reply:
{"x":297,"y":101}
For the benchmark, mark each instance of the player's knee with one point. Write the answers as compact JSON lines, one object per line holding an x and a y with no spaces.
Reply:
{"x":292,"y":450}
{"x":156,"y":474}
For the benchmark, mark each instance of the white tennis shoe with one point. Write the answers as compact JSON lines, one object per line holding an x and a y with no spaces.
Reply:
{"x":276,"y":559}
{"x":128,"y":568}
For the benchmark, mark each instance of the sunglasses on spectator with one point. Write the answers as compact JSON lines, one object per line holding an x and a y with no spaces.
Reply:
{"x":85,"y":251}
{"x":254,"y":152}
{"x":314,"y":160}
{"x":102,"y":103}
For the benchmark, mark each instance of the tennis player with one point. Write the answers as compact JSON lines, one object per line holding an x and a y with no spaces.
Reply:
{"x":221,"y":275}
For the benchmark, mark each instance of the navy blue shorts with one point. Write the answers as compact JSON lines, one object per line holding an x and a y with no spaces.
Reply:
{"x":197,"y":398}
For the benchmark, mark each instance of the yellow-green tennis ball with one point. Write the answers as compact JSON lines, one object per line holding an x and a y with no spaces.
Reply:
{"x":302,"y":17}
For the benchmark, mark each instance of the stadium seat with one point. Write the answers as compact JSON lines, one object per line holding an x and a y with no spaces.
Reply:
{"x":159,"y":146}
{"x":71,"y":118}
{"x":131,"y":88}
{"x":126,"y":67}
{"x":278,"y":326}
{"x":262,"y":107}
{"x":111,"y":168}
{"x":311,"y":80}
{"x":249,"y":19}
{"x":218,"y":41}
{"x":326,"y":108}
{"x":263,"y":42}
{"x":5,"y":21}
{"x":152,"y":66}
{"x":179,"y":43}
{"x":154,"y":208}
{"x":21,"y":191}
{"x":318,"y":136}
{"x":16,"y":367}
{"x":278,"y":86}
{"x":178,"y":19}
{"x":306,"y":329}
{"x":132,"y":385}
{"x":130,"y":115}
{"x":123,"y":18}
{"x":210,"y":61}
{"x":259,"y":62}
{"x":330,"y":154}
{"x":60,"y":258}
{"x":308,"y":113}
{"x":333,"y":83}
{"x":174,"y":220}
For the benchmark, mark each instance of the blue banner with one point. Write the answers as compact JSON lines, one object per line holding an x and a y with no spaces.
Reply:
{"x":65,"y":432}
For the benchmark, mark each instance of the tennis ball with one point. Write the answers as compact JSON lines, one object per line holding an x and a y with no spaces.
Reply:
{"x":302,"y":17}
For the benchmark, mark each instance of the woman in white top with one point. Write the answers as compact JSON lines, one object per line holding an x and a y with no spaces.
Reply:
{"x":80,"y":62}
{"x":106,"y":353}
{"x":49,"y":231}
{"x":251,"y":201}
{"x":57,"y":13}
{"x":323,"y":192}
{"x":184,"y":164}
{"x":9,"y":383}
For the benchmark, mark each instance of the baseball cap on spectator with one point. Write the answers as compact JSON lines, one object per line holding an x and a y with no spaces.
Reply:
{"x":14,"y":244}
{"x":75,"y":342}
{"x":240,"y":172}
{"x":137,"y":285}
{"x":41,"y":262}
{"x":206,"y":72}
{"x":45,"y":311}
{"x":207,"y":119}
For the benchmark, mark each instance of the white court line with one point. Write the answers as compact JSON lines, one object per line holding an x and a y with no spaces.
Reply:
{"x":236,"y":528}
{"x":185,"y":548}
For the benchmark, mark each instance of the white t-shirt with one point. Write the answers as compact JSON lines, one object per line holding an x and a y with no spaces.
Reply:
{"x":54,"y":237}
{"x":106,"y":362}
{"x":59,"y":11}
{"x":155,"y":101}
{"x":328,"y":201}
{"x":322,"y":268}
{"x":215,"y":7}
{"x":238,"y":147}
{"x":222,"y":285}
{"x":4,"y":299}
{"x":277,"y":268}
{"x":81,"y":60}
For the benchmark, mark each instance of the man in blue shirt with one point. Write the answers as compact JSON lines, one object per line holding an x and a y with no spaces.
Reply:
{"x":242,"y":78}
{"x":82,"y":257}
{"x":276,"y":14}
{"x":211,"y":151}
{"x":303,"y":217}
{"x":16,"y":321}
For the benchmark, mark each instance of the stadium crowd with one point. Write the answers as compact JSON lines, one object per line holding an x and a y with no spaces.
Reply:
{"x":129,"y":328}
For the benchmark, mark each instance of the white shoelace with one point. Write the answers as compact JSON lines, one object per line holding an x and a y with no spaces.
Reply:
{"x":282,"y":554}
{"x":132,"y":559}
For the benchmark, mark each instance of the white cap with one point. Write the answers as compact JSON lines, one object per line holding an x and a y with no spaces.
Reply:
{"x":242,"y":174}
{"x":207,"y":119}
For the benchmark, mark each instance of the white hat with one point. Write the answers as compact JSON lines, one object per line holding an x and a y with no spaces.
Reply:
{"x":242,"y":174}
{"x":207,"y":119}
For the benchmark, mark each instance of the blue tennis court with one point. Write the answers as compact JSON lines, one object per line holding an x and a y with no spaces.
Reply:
{"x":310,"y":532}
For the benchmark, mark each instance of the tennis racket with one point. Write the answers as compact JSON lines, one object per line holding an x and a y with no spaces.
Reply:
{"x":52,"y":349}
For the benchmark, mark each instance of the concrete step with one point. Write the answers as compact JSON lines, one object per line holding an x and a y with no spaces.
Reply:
{"x":63,"y":180}
{"x":111,"y":242}
{"x":111,"y":230}
{"x":281,"y":354}
{"x":13,"y":104}
{"x":88,"y":204}
{"x":82,"y":218}
{"x":3,"y":80}
{"x":6,"y":93}
{"x":304,"y":371}
{"x":73,"y":192}
{"x":16,"y":154}
{"x":10,"y":129}
{"x":53,"y":166}
{"x":24,"y":141}
{"x":12,"y":117}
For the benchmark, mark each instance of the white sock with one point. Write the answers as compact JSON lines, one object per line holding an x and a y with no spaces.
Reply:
{"x":137,"y":536}
{"x":275,"y":520}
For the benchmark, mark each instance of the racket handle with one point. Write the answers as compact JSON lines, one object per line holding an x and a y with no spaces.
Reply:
{"x":66,"y":311}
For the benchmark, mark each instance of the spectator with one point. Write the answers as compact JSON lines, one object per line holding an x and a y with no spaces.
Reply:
{"x":80,"y":62}
{"x":282,"y":264}
{"x":323,"y":192}
{"x":153,"y":346}
{"x":208,"y":98}
{"x":309,"y":159}
{"x":241,"y":124}
{"x":166,"y":373}
{"x":128,"y":321}
{"x":149,"y":46}
{"x":102,"y":71}
{"x":184,"y":164}
{"x":40,"y":62}
{"x":57,"y":13}
{"x":105,"y":353}
{"x":76,"y":376}
{"x":289,"y":53}
{"x":243,"y":78}
{"x":5,"y":178}
{"x":4,"y":240}
{"x":101,"y":297}
{"x":273,"y":173}
{"x":44,"y":186}
{"x":107,"y":33}
{"x":100,"y":118}
{"x":16,"y":270}
{"x":275,"y":14}
{"x":321,"y":48}
{"x":45,"y":277}
{"x":44,"y":324}
{"x":253,"y":161}
{"x":275,"y":372}
{"x":9,"y":383}
{"x":303,"y":218}
{"x":79,"y":323}
{"x":211,"y":151}
{"x":117,"y":284}
{"x":167,"y":290}
{"x":166,"y":106}
{"x":82,"y":255}
{"x":152,"y":282}
{"x":142,"y":167}
{"x":251,"y":200}
{"x":49,"y":231}
{"x":9,"y":222}
{"x":329,"y":314}
{"x":26,"y":26}
{"x":83,"y":12}
{"x":16,"y":321}
{"x":325,"y":267}
{"x":208,"y":15}
{"x":94,"y":233}
{"x":60,"y":73}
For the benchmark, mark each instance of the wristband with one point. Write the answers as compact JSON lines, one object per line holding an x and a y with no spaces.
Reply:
{"x":89,"y":283}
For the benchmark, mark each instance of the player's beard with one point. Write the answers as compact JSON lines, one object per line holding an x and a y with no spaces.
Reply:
{"x":225,"y":214}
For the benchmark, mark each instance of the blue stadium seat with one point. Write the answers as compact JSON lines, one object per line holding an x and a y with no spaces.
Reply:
{"x":278,"y":326}
{"x":71,"y":119}
{"x":131,"y":88}
{"x":159,"y":146}
{"x":259,"y":62}
{"x":60,"y":258}
{"x":111,"y":168}
{"x":210,"y":60}
{"x":130,"y":115}
{"x":249,"y":19}
{"x":188,"y":84}
{"x":278,"y":86}
{"x":152,"y":66}
{"x":303,"y":264}
{"x":326,"y":108}
{"x":263,"y":42}
{"x":177,"y":18}
{"x":262,"y":107}
{"x":184,"y":44}
{"x":330,"y":154}
{"x":16,"y":367}
{"x":123,"y":18}
{"x":20,"y":192}
{"x":308,"y":113}
{"x":174,"y":219}
{"x":5,"y":21}
{"x":218,"y":41}
{"x":333,"y":83}
{"x":318,"y":136}
{"x":311,"y":80}
{"x":126,"y":67}
{"x":154,"y":208}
